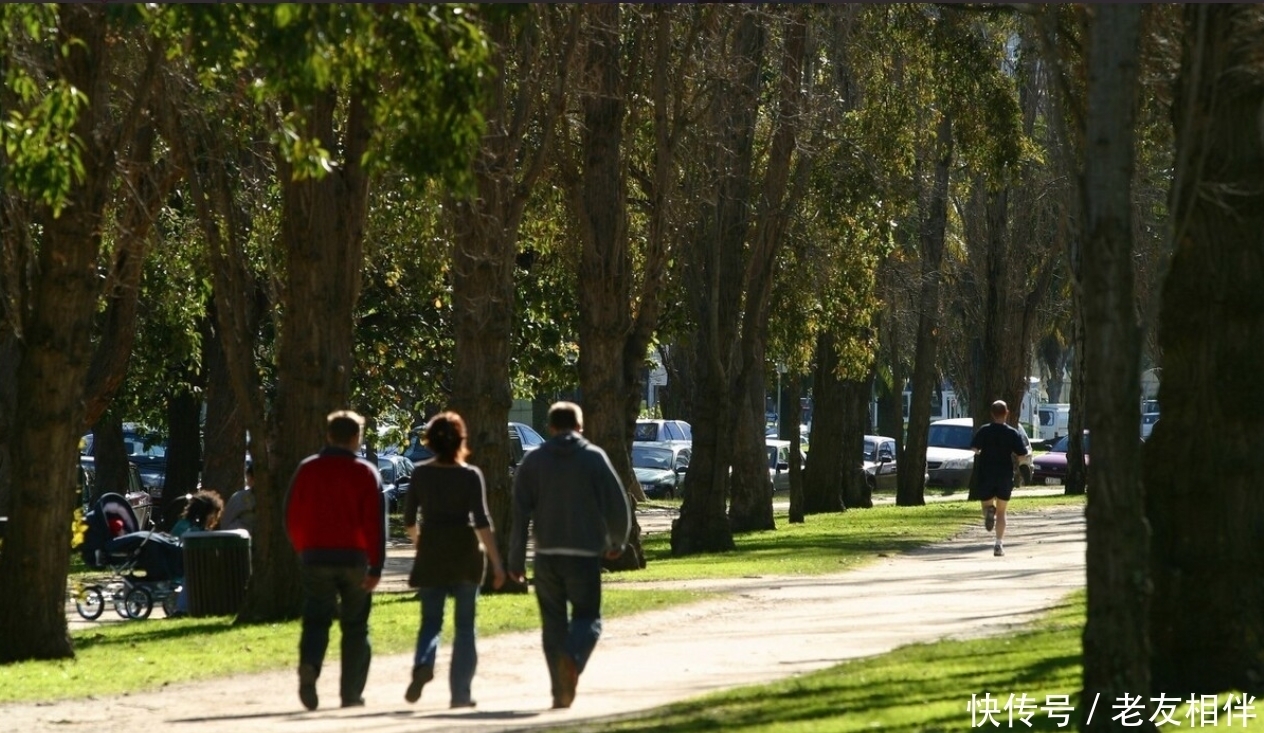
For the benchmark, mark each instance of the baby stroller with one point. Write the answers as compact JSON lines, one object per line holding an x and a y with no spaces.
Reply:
{"x":143,"y":566}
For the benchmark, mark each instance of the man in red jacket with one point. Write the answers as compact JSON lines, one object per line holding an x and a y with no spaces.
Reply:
{"x":335,"y":515}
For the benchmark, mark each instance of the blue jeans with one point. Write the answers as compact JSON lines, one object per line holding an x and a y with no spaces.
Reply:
{"x":323,"y":587}
{"x":464,"y":650}
{"x":561,"y":580}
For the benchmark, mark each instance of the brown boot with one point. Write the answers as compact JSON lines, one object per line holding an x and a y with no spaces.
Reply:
{"x":567,"y":681}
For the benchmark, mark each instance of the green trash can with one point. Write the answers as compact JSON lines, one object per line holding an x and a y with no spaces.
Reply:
{"x":216,"y":570}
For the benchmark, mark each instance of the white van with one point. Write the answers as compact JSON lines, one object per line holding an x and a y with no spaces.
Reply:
{"x":1055,"y":418}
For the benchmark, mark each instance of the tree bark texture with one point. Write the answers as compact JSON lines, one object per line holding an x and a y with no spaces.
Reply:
{"x":1116,"y":635}
{"x":733,"y":333}
{"x":322,"y":235}
{"x":148,"y":182}
{"x":486,"y":230}
{"x":857,"y":494}
{"x":223,"y":465}
{"x":823,"y":477}
{"x":612,"y":351}
{"x":911,"y":485}
{"x":238,"y":305}
{"x":1076,"y":481}
{"x":750,"y":503}
{"x":1202,"y":477}
{"x":715,"y":265}
{"x":184,"y":444}
{"x":50,"y":378}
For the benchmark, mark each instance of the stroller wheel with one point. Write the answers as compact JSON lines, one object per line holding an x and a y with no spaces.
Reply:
{"x":169,"y":604}
{"x":90,"y":602}
{"x":138,"y":603}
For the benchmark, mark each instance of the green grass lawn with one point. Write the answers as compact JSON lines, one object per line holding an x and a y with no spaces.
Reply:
{"x":122,"y":657}
{"x":825,"y":543}
{"x":923,"y":688}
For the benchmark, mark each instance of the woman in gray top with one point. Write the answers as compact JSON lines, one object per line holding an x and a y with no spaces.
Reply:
{"x":451,"y":538}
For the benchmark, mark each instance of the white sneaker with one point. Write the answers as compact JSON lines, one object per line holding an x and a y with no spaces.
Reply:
{"x":999,"y":550}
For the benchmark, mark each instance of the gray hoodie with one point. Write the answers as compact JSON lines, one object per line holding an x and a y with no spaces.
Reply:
{"x":572,"y":494}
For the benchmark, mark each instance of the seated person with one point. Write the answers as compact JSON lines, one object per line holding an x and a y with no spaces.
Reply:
{"x":239,"y":512}
{"x":201,"y":514}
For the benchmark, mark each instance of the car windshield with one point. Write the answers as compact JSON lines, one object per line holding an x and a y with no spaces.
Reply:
{"x":1063,"y":444}
{"x":871,"y":450}
{"x":950,"y":436}
{"x":135,"y":446}
{"x":646,"y":431}
{"x":651,"y":458}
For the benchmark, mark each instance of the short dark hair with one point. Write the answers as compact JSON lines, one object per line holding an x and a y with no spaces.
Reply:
{"x":999,"y":408}
{"x":344,"y":426}
{"x":445,"y":435}
{"x":566,"y":416}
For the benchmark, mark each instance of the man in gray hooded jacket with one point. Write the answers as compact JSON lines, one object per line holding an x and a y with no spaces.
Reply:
{"x":570,"y":492}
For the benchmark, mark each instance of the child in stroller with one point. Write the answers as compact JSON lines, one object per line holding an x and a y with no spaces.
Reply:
{"x":144,"y":566}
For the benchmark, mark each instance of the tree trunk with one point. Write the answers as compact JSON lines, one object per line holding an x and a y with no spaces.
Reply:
{"x":911,"y":485}
{"x":322,"y":235}
{"x":823,"y":477}
{"x":857,"y":494}
{"x":750,"y":505}
{"x":1116,"y":635}
{"x":793,"y":414}
{"x":51,"y":376}
{"x":482,"y":320}
{"x":1076,"y":482}
{"x":997,"y":343}
{"x":609,"y":362}
{"x":1202,"y":473}
{"x":109,"y":457}
{"x":184,"y":444}
{"x":486,"y":230}
{"x":223,"y":465}
{"x":149,"y":183}
{"x":716,"y":266}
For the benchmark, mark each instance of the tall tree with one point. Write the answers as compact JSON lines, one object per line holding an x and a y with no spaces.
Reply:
{"x":64,"y":136}
{"x":732,"y":332}
{"x":356,"y":87}
{"x":911,"y":484}
{"x":1116,"y":635}
{"x":531,"y":55}
{"x":1202,"y":488}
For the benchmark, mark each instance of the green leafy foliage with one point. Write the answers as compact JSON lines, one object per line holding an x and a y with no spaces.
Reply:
{"x":37,"y":125}
{"x":419,"y":68}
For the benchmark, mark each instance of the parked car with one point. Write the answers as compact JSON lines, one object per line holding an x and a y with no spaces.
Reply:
{"x":662,"y":431}
{"x":949,"y":459}
{"x":522,"y":438}
{"x":1147,"y":424}
{"x":778,"y":463}
{"x":1054,"y":418}
{"x":135,"y":493}
{"x":397,"y":473}
{"x":878,"y":462}
{"x":144,"y":449}
{"x":1051,"y":467}
{"x":660,"y":469}
{"x":805,"y":432}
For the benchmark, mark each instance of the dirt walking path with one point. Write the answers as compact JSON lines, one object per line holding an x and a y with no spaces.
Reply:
{"x":762,"y":629}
